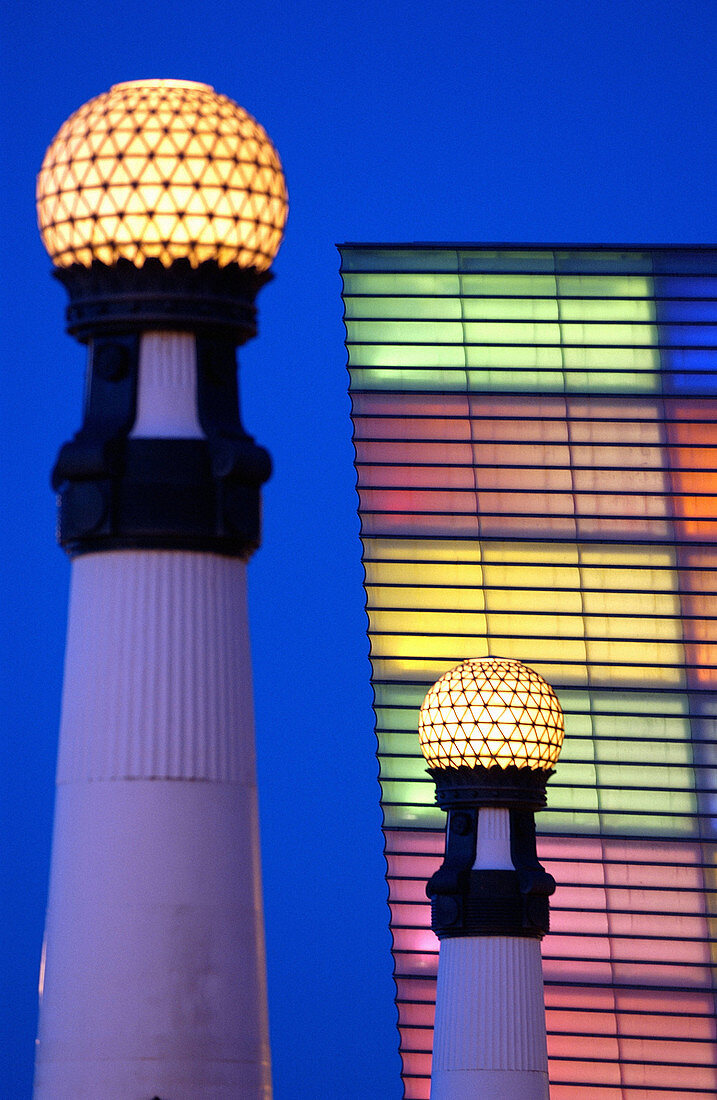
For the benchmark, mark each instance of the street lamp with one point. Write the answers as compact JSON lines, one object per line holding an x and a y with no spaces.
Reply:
{"x":162,"y":205}
{"x":491,"y":731}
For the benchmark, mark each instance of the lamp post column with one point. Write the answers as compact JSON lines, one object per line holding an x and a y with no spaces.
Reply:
{"x":490,"y":731}
{"x":153,"y":981}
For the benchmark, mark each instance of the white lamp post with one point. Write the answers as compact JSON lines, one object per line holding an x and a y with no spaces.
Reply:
{"x":491,"y":731}
{"x":162,"y":205}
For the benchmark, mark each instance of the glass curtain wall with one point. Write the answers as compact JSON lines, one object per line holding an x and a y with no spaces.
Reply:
{"x":536,"y":451}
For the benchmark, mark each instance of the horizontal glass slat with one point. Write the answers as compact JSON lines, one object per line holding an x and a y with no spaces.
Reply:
{"x":537,"y":452}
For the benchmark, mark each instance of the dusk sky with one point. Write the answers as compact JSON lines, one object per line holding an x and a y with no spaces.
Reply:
{"x":515,"y":121}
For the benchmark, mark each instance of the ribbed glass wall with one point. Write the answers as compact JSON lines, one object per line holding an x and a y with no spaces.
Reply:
{"x":536,"y":448}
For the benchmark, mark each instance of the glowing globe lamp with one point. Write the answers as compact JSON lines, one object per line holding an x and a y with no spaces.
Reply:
{"x":491,"y":713}
{"x":166,"y":169}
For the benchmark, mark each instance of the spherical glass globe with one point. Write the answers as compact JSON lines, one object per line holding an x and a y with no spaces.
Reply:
{"x":166,"y":169}
{"x":491,"y":712}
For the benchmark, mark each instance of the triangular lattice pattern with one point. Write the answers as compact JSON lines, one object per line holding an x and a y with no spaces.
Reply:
{"x":488,"y":712}
{"x":162,"y":168}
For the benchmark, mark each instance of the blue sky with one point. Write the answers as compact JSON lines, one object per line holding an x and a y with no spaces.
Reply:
{"x":513,"y":121}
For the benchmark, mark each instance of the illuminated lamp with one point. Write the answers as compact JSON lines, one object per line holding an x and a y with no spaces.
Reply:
{"x":162,"y":169}
{"x":491,"y":731}
{"x":162,"y":205}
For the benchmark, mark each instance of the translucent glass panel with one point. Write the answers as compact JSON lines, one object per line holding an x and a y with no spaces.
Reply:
{"x":501,"y":332}
{"x":628,"y":920}
{"x":536,"y":451}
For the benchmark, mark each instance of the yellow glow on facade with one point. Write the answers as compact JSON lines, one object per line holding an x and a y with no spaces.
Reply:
{"x":488,"y":712}
{"x":166,"y":169}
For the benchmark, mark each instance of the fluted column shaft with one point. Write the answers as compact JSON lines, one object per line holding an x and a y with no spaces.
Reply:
{"x":167,"y":387}
{"x":154,"y":970}
{"x":489,"y":1038}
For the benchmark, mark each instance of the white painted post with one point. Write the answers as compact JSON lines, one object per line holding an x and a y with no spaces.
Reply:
{"x":489,"y":1037}
{"x":154,"y":975}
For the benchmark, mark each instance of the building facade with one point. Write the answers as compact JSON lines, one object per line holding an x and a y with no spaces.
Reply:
{"x":536,"y":450}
